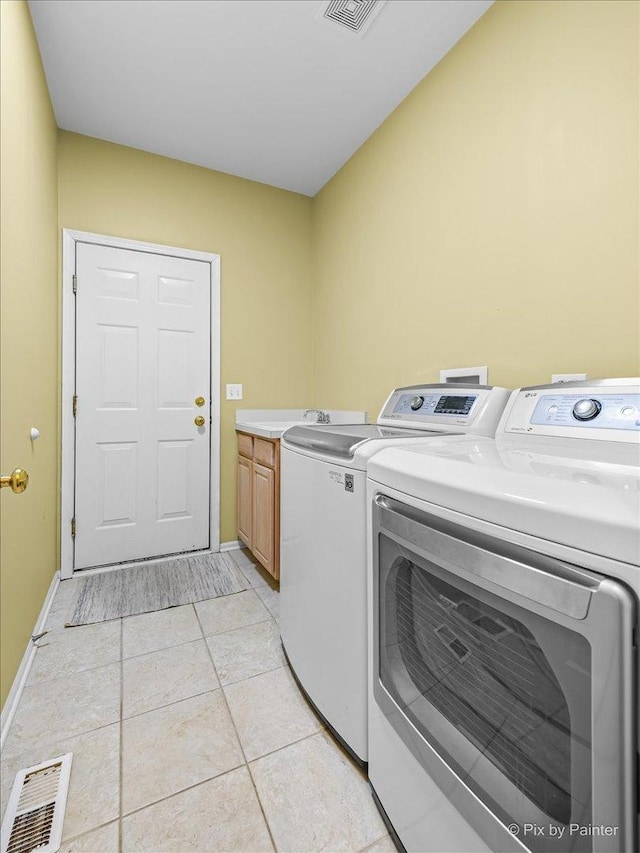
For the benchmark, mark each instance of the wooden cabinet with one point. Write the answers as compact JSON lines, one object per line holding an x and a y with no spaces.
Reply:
{"x":259,"y":499}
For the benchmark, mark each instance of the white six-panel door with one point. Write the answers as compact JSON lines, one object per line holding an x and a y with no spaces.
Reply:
{"x":142,"y":473}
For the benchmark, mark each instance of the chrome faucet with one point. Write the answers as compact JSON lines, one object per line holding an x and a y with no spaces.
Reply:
{"x":323,"y":417}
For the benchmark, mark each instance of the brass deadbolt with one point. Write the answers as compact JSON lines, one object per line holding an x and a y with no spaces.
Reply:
{"x":17,"y":481}
{"x":200,"y":401}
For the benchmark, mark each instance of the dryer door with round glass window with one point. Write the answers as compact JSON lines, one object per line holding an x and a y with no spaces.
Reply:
{"x":507,"y":671}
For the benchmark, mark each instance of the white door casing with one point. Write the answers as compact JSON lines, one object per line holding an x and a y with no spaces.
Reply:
{"x":144,"y":340}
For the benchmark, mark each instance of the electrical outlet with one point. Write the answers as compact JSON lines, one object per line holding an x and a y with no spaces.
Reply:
{"x":234,"y":392}
{"x":568,"y":377}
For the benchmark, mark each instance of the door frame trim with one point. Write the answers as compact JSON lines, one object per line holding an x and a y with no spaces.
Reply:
{"x":70,"y":238}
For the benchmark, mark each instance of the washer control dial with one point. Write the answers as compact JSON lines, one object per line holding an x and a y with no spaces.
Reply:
{"x":587,"y":409}
{"x":416,"y":403}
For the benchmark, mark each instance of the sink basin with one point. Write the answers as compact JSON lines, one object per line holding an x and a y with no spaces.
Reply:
{"x":273,"y":428}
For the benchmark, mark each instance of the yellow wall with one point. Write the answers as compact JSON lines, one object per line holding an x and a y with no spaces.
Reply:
{"x":29,"y":311}
{"x":493,"y":218}
{"x":264,"y":238}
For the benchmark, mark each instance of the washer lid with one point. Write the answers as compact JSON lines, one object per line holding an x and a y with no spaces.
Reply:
{"x":585,"y":500}
{"x":342,"y":440}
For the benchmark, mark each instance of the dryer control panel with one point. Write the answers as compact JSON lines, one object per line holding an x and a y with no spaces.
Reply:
{"x":472,"y":409}
{"x":607,"y":410}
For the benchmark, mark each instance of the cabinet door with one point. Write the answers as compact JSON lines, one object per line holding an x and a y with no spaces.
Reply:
{"x":264,"y":516}
{"x":245,"y":503}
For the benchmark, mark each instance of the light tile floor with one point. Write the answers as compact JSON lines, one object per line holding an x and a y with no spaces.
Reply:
{"x":188,"y":733}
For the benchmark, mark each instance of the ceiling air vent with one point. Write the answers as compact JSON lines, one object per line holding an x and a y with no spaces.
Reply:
{"x":35,"y":812}
{"x":354,"y":16}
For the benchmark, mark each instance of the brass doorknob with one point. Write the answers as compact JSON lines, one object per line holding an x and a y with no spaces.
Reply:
{"x":200,"y":401}
{"x":199,"y":421}
{"x":17,"y":481}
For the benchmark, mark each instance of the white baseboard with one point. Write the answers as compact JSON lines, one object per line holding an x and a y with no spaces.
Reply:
{"x":10,"y":706}
{"x":232,"y":546}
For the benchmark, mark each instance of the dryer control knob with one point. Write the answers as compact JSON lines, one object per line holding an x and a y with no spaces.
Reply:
{"x":416,"y":403}
{"x":586,"y":410}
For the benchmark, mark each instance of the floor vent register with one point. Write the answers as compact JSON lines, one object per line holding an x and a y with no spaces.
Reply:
{"x":35,"y":813}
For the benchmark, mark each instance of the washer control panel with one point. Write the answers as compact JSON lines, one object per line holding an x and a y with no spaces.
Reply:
{"x":605,"y":411}
{"x":445,"y":407}
{"x":435,"y":404}
{"x":608,"y":410}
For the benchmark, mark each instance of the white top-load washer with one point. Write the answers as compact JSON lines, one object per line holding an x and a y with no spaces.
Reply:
{"x":323,"y":539}
{"x":503,"y":602}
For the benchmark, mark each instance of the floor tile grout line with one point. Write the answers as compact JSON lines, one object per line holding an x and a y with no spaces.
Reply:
{"x":255,"y":787}
{"x":369,"y":846}
{"x":29,"y":747}
{"x":72,"y":674}
{"x":39,"y":683}
{"x":285,"y":665}
{"x":243,"y":627}
{"x":166,"y":797}
{"x":196,"y":639}
{"x":121,"y":755}
{"x":286,"y":746}
{"x":324,"y":732}
{"x":246,"y":763}
{"x":170,"y":704}
{"x":195,"y":613}
{"x":163,"y":648}
{"x":240,"y":680}
{"x":69,"y":839}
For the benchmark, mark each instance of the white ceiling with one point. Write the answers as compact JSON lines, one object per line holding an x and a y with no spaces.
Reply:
{"x":263,"y":89}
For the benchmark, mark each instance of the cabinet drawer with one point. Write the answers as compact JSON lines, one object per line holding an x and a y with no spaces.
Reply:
{"x":245,"y":445}
{"x":265,"y":452}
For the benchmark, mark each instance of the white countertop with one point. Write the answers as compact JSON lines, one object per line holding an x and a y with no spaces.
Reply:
{"x":271,"y":423}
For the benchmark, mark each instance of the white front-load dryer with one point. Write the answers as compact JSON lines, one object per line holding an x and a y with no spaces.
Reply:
{"x":504,"y":588}
{"x":323,"y":620}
